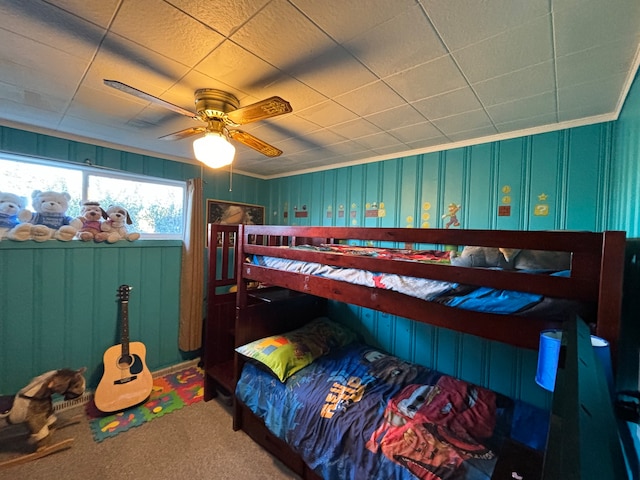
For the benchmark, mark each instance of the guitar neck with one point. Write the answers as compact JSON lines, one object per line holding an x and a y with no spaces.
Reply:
{"x":124,"y":334}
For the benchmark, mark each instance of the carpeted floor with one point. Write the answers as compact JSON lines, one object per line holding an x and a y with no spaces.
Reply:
{"x":194,"y":442}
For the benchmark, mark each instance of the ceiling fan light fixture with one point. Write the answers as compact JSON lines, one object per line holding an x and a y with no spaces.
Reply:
{"x":214,"y":150}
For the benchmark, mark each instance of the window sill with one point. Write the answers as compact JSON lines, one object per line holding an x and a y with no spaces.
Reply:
{"x":57,"y":244}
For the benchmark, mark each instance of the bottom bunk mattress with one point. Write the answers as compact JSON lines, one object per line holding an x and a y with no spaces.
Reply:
{"x":358,"y":412}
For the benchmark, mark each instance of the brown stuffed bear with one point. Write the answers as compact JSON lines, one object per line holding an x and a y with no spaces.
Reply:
{"x":91,"y":217}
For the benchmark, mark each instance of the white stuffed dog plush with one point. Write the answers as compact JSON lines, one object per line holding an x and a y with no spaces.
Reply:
{"x":49,"y":220}
{"x":10,"y":207}
{"x":116,"y":225}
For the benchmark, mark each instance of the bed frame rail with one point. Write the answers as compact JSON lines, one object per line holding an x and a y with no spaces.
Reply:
{"x":596,"y":273}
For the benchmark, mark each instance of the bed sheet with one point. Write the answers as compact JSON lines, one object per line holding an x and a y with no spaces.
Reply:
{"x":359,"y":412}
{"x":479,"y":299}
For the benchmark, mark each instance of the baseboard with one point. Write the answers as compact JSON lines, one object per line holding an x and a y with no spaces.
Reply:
{"x":175,"y":368}
{"x":86,"y":397}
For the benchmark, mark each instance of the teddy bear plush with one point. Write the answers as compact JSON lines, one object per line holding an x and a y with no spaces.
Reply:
{"x":91,"y":217}
{"x":49,"y":221}
{"x":10,"y":207}
{"x":116,"y":225}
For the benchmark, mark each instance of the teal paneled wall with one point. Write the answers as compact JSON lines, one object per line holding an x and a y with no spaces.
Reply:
{"x":59,"y":308}
{"x":624,"y":208}
{"x":625,"y":185}
{"x":551,"y":181}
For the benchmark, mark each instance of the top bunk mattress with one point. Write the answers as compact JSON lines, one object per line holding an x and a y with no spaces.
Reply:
{"x":452,"y":294}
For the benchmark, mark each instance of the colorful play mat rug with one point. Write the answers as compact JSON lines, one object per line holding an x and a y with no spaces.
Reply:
{"x":169,"y":393}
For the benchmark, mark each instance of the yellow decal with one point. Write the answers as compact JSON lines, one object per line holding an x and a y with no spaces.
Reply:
{"x":342,"y":395}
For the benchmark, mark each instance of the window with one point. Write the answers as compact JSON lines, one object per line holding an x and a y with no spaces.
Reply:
{"x":156,"y":206}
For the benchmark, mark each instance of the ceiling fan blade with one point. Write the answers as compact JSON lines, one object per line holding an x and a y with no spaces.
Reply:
{"x":267,"y":108}
{"x":188,"y":132}
{"x":150,"y":98}
{"x":255,"y":143}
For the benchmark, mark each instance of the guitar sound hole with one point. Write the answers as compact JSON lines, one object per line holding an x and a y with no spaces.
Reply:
{"x":131,"y":362}
{"x":124,"y":361}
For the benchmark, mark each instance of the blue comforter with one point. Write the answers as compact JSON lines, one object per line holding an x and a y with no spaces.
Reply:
{"x":361,"y":413}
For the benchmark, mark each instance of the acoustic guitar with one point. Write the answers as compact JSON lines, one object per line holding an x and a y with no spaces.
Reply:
{"x":126,"y":381}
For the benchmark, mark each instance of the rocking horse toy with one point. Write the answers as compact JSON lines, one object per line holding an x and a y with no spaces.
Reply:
{"x":33,"y":405}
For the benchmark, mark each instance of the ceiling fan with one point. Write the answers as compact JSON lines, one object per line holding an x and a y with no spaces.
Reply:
{"x":221,"y":113}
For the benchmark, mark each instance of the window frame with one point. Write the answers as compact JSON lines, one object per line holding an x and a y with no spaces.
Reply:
{"x":87,"y":169}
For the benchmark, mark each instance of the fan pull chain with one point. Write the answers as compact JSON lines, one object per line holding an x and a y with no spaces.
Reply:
{"x":231,"y":177}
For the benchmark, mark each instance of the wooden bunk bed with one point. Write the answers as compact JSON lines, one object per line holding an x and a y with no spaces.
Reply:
{"x":595,"y":279}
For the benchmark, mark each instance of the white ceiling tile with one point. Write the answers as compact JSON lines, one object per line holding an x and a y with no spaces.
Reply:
{"x":292,"y":146}
{"x":150,"y":23}
{"x":429,"y":79}
{"x":440,"y":141}
{"x":346,"y":20}
{"x":324,"y":137}
{"x":223,"y":17}
{"x":597,"y":62}
{"x":425,"y":130}
{"x":399,"y":149}
{"x":51,"y":26}
{"x":597,"y":21}
{"x":300,"y":96}
{"x":332,"y":72}
{"x":463,"y":122}
{"x":356,"y":129}
{"x":22,"y":68}
{"x":119,"y":106}
{"x":233,"y":65}
{"x":514,"y":49}
{"x":282,"y":36}
{"x":130,"y":63}
{"x":527,"y":122}
{"x":382,"y":139}
{"x":378,"y":48}
{"x":99,"y":13}
{"x":475,"y":133}
{"x":589,"y":99}
{"x":142,"y":142}
{"x":521,"y":84}
{"x":14,"y":96}
{"x":401,"y":116}
{"x":466,"y":22}
{"x":537,"y":105}
{"x":346,"y":148}
{"x":327,"y":114}
{"x":438,"y":106}
{"x":369,"y":99}
{"x":294,"y":126}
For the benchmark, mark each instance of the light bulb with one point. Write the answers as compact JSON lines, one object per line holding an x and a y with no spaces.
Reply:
{"x":213,"y":150}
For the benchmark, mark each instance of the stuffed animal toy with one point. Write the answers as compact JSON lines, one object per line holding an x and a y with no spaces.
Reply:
{"x":33,"y":404}
{"x":511,"y":259}
{"x":91,"y":217}
{"x":10,"y":207}
{"x":49,"y":220}
{"x":116,"y":225}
